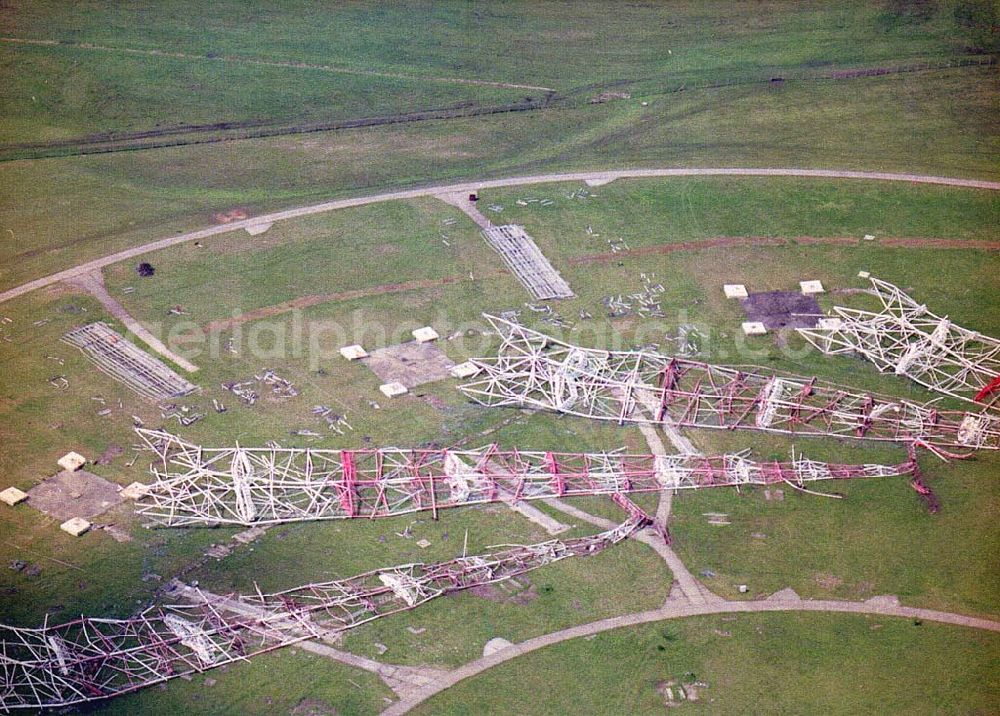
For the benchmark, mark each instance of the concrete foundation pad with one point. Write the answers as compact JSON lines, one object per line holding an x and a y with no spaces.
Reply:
{"x":425,"y":335}
{"x":411,"y":363}
{"x":12,"y":496}
{"x":464,"y":370}
{"x":74,"y":494}
{"x":393,"y":390}
{"x":134,"y":491}
{"x":754,"y":328}
{"x":72,"y":461}
{"x":75,"y":526}
{"x":811,"y":287}
{"x":354,"y":352}
{"x":735,"y":290}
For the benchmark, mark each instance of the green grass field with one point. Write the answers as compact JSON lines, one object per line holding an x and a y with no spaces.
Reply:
{"x":773,"y":663}
{"x":904,"y":86}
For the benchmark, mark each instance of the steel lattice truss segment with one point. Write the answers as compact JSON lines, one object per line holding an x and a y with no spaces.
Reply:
{"x":89,"y":659}
{"x":907,"y":339}
{"x":533,"y":369}
{"x":200,"y":486}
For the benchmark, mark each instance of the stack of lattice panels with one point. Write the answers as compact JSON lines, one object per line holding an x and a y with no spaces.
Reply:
{"x":124,"y":361}
{"x":527,"y":262}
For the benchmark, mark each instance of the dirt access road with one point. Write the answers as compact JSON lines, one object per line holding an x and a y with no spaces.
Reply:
{"x":591,"y":178}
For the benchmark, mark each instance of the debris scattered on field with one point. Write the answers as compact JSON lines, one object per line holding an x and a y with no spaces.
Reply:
{"x":449,"y":222}
{"x":495,"y":208}
{"x":306,"y":433}
{"x":182,"y":413}
{"x":59,"y":381}
{"x":645,"y":303}
{"x":334,"y":422}
{"x":57,"y":359}
{"x":177,"y":311}
{"x":41,"y":322}
{"x":219,"y":407}
{"x":416,"y":632}
{"x":581,"y":193}
{"x":688,"y":341}
{"x":617,"y":245}
{"x":281,"y":387}
{"x":244,"y":391}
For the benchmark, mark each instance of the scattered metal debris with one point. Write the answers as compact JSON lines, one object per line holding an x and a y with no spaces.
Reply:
{"x":334,"y":422}
{"x":281,"y":387}
{"x":645,"y":303}
{"x":244,"y":391}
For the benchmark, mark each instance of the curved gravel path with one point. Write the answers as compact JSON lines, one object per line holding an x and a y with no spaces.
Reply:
{"x":878,"y":605}
{"x":591,"y":178}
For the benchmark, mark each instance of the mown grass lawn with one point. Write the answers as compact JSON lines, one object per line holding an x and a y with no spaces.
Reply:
{"x":762,"y":663}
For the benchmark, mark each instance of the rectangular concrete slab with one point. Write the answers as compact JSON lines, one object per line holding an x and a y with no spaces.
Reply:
{"x":354,"y":352}
{"x":464,"y":370}
{"x":72,"y":461}
{"x":75,"y":526}
{"x":735,"y":290}
{"x":12,"y":496}
{"x":393,"y":390}
{"x":811,"y":287}
{"x":134,"y":491}
{"x":754,"y":328}
{"x":425,"y":334}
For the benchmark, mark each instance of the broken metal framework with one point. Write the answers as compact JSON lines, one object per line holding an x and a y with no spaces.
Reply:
{"x":124,"y":361}
{"x":89,"y":659}
{"x":535,"y":370}
{"x":527,"y":261}
{"x":245,"y":486}
{"x":907,"y":339}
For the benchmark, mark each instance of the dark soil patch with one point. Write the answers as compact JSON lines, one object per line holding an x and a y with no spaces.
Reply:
{"x":782,"y":309}
{"x":110,"y":453}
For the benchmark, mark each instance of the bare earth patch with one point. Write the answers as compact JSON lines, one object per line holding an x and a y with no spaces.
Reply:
{"x":411,"y":364}
{"x":74,"y":494}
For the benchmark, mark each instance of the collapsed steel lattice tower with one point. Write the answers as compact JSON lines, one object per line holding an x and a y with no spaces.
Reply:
{"x":907,"y":339}
{"x":239,"y":485}
{"x":89,"y":659}
{"x":536,"y":370}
